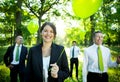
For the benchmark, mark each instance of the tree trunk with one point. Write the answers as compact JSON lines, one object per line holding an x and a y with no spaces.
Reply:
{"x":18,"y":18}
{"x":85,"y":40}
{"x":38,"y":33}
{"x":92,"y":28}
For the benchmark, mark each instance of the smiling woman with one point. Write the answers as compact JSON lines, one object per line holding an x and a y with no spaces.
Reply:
{"x":55,"y":69}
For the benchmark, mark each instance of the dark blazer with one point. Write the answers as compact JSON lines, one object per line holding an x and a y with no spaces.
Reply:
{"x":8,"y":57}
{"x":34,"y":70}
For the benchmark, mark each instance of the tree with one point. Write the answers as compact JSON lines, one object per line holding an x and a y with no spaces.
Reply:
{"x":18,"y":17}
{"x":74,"y":33}
{"x":7,"y":20}
{"x":39,"y":8}
{"x":12,"y":20}
{"x":93,"y":25}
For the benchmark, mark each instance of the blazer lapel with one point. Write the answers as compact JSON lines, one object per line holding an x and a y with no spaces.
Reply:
{"x":22,"y":52}
{"x":39,"y":55}
{"x":54,"y":54}
{"x":12,"y":51}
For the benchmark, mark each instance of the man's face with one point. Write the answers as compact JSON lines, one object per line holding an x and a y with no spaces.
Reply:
{"x":19,"y":39}
{"x":98,"y":39}
{"x":74,"y":43}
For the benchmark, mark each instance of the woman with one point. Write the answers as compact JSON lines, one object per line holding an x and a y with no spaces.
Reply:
{"x":47,"y":62}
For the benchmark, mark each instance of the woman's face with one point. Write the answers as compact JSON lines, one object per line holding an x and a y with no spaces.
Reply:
{"x":47,"y":34}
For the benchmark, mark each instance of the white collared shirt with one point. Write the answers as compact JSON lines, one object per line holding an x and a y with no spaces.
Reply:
{"x":14,"y":54}
{"x":76,"y":51}
{"x":90,"y":60}
{"x":46,"y":62}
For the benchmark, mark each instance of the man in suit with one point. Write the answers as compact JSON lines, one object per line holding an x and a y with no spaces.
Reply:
{"x":14,"y":59}
{"x":74,"y":53}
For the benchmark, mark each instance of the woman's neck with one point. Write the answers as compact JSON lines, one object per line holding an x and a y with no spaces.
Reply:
{"x":47,"y":45}
{"x":46,"y":49}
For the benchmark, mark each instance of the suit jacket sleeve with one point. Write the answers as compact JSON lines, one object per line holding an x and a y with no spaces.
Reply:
{"x":28,"y":72}
{"x":64,"y":69}
{"x":7,"y":56}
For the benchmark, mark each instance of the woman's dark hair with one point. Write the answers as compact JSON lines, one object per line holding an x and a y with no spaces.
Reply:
{"x":51,"y":25}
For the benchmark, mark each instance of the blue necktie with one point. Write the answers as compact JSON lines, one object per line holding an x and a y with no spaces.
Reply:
{"x":73,"y":53}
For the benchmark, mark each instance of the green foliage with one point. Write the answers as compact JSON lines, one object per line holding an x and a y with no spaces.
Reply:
{"x":2,"y":52}
{"x":114,"y":74}
{"x":76,"y":34}
{"x":115,"y":51}
{"x":4,"y":74}
{"x":73,"y":79}
{"x":2,"y":42}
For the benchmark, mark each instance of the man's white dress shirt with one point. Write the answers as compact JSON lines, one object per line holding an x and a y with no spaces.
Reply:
{"x":90,"y":60}
{"x":76,"y":51}
{"x":14,"y":62}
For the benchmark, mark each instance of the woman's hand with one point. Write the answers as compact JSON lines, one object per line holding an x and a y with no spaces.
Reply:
{"x":54,"y":70}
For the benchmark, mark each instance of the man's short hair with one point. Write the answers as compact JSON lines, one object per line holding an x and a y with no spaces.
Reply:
{"x":96,"y":33}
{"x":74,"y":41}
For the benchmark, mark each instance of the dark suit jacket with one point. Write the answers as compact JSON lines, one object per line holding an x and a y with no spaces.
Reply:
{"x":34,"y":70}
{"x":8,"y":57}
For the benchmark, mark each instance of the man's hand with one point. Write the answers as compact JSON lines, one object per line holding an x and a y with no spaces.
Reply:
{"x":10,"y":66}
{"x":118,"y":60}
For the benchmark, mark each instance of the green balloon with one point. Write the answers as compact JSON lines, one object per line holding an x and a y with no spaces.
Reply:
{"x":32,"y":26}
{"x":85,"y":8}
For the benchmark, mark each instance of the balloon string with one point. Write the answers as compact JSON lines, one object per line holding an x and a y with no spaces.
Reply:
{"x":59,"y":57}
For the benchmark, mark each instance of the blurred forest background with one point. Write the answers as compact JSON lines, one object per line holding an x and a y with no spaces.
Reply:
{"x":18,"y":17}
